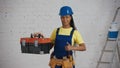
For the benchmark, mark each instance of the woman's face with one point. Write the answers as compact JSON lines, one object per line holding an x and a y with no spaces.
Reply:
{"x":66,"y":20}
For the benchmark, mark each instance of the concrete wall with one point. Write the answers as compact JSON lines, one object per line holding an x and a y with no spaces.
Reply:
{"x":19,"y":18}
{"x":117,"y":20}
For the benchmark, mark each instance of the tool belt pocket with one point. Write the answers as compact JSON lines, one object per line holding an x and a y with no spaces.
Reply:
{"x":67,"y":64}
{"x":52,"y":63}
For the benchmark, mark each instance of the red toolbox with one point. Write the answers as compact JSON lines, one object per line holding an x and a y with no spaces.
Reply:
{"x":35,"y":45}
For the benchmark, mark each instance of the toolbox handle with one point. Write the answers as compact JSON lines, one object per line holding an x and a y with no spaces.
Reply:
{"x":39,"y":36}
{"x":31,"y":35}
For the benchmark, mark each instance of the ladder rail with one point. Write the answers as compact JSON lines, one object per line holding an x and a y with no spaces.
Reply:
{"x":99,"y":61}
{"x":118,"y":54}
{"x":116,"y":13}
{"x":113,"y":53}
{"x":115,"y":49}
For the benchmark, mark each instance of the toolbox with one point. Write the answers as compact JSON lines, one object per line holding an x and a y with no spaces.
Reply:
{"x":35,"y":45}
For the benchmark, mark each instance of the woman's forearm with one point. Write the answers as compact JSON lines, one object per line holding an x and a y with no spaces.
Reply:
{"x":81,"y":47}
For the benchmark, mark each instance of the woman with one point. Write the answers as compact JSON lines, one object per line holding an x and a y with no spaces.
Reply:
{"x":64,"y":38}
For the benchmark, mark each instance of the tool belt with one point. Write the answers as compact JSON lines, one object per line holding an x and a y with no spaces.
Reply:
{"x":65,"y":62}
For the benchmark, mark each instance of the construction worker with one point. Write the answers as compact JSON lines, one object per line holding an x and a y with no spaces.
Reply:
{"x":64,"y":38}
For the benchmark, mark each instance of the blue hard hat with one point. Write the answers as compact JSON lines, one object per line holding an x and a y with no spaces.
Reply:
{"x":65,"y":10}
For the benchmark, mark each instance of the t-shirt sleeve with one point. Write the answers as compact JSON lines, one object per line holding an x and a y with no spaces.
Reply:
{"x":53,"y":36}
{"x":78,"y":38}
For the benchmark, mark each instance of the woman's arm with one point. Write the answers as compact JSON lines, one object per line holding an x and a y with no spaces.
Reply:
{"x":80,"y":47}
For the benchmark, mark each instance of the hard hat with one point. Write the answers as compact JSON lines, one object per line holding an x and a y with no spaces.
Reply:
{"x":65,"y":10}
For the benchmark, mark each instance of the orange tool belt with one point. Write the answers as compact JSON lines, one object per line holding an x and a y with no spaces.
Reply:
{"x":65,"y":63}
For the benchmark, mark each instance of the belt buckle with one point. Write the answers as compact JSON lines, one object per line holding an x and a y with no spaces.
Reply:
{"x":54,"y":57}
{"x":65,"y":57}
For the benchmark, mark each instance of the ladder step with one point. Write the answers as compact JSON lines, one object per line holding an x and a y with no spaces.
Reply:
{"x":108,"y":50}
{"x":104,"y":62}
{"x":111,"y":40}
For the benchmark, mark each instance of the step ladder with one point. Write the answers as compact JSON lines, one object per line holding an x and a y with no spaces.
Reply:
{"x":108,"y":53}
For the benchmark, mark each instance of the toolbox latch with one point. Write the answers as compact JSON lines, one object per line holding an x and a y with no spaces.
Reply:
{"x":23,"y":43}
{"x":36,"y":43}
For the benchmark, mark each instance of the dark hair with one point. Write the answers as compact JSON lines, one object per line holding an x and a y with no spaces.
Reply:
{"x":72,"y":23}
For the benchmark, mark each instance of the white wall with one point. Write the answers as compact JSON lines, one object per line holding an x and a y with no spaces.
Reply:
{"x":19,"y":18}
{"x":117,"y":20}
